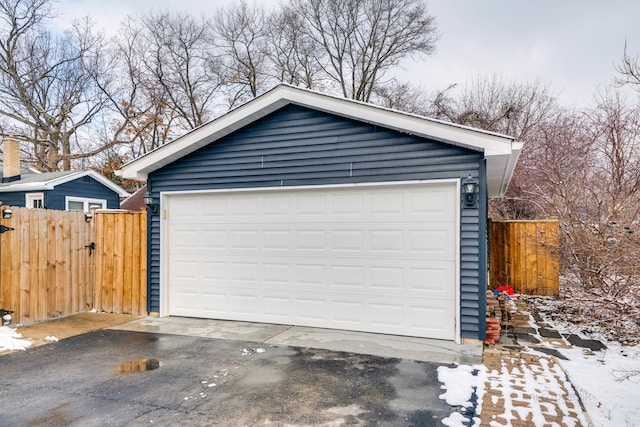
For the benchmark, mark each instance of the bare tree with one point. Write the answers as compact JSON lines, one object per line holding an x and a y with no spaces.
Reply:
{"x":402,"y":96}
{"x":360,"y":40}
{"x":167,"y":79}
{"x":584,"y":169}
{"x":628,"y":70}
{"x":47,"y":84}
{"x":508,"y":107}
{"x":183,"y":64}
{"x":292,"y":52}
{"x":241,"y":35}
{"x":141,"y":116}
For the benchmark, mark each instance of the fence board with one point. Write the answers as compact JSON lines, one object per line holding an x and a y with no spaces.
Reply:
{"x":46,"y":269}
{"x":524,"y":255}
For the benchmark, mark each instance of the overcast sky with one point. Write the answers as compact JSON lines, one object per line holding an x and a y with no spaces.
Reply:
{"x":569,"y":44}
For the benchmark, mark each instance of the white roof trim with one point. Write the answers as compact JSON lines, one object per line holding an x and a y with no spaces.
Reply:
{"x":501,"y":151}
{"x":51,"y":184}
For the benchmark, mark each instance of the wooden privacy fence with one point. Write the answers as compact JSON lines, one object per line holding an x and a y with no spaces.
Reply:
{"x":50,"y":268}
{"x":524,"y":255}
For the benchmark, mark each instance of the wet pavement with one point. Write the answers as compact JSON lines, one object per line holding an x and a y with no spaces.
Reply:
{"x":110,"y":377}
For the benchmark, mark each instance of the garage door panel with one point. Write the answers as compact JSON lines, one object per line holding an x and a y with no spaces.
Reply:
{"x":214,"y":239}
{"x":244,"y":239}
{"x":311,"y":309}
{"x":276,"y":239}
{"x":277,"y":308}
{"x":244,"y":272}
{"x":374,"y":259}
{"x":213,"y":270}
{"x":247,"y":304}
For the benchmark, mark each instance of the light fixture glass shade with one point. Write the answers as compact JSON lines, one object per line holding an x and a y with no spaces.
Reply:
{"x":470,"y":187}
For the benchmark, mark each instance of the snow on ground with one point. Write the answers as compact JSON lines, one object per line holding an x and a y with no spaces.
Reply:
{"x":525,"y":389}
{"x":607,"y":381}
{"x":10,"y":339}
{"x":603,"y":382}
{"x":460,"y":383}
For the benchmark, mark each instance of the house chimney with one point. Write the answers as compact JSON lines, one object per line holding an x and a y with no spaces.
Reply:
{"x":11,"y":159}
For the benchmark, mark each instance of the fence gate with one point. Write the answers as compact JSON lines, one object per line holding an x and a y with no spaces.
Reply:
{"x":45,"y":267}
{"x":524,"y":255}
{"x":120,"y":262}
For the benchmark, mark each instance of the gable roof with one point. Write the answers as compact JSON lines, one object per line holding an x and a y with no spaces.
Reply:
{"x":49,"y":180}
{"x":500,"y":151}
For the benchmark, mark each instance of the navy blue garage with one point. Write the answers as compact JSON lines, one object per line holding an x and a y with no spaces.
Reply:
{"x":307,"y":209}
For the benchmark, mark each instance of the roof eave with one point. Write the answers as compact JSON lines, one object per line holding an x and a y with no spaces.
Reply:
{"x":497,"y":148}
{"x":500,"y":168}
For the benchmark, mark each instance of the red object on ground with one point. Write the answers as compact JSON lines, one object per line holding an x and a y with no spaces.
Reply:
{"x":507,"y":289}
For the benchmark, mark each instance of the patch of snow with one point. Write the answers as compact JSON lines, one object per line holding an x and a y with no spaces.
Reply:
{"x":51,"y":338}
{"x":456,"y":419}
{"x":10,"y":339}
{"x":605,"y":382}
{"x":251,"y":350}
{"x":536,"y":388}
{"x":459,"y":383}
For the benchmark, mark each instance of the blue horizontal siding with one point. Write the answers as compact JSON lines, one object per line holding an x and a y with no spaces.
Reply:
{"x":297,"y":146}
{"x":14,"y":198}
{"x":85,"y":187}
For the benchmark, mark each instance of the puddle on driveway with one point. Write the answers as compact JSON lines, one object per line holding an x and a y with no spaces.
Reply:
{"x":139,"y":365}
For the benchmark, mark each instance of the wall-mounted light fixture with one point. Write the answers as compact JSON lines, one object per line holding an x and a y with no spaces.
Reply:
{"x":148,"y":200}
{"x":88,"y":216}
{"x":469,"y":195}
{"x":6,"y":213}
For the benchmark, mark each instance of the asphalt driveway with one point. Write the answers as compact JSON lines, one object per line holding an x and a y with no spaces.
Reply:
{"x":86,"y":381}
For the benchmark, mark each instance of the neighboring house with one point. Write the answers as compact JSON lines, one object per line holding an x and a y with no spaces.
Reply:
{"x":306,"y":209}
{"x":79,"y":190}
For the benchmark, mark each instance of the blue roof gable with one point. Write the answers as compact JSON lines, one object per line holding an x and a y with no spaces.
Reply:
{"x":56,"y":187}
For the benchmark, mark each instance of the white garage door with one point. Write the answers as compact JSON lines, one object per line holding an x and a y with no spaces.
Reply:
{"x":365,"y":258}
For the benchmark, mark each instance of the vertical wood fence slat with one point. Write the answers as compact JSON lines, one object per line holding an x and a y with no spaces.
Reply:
{"x":46,"y":270}
{"x":42,"y":282}
{"x":524,"y":255}
{"x":142,"y":265}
